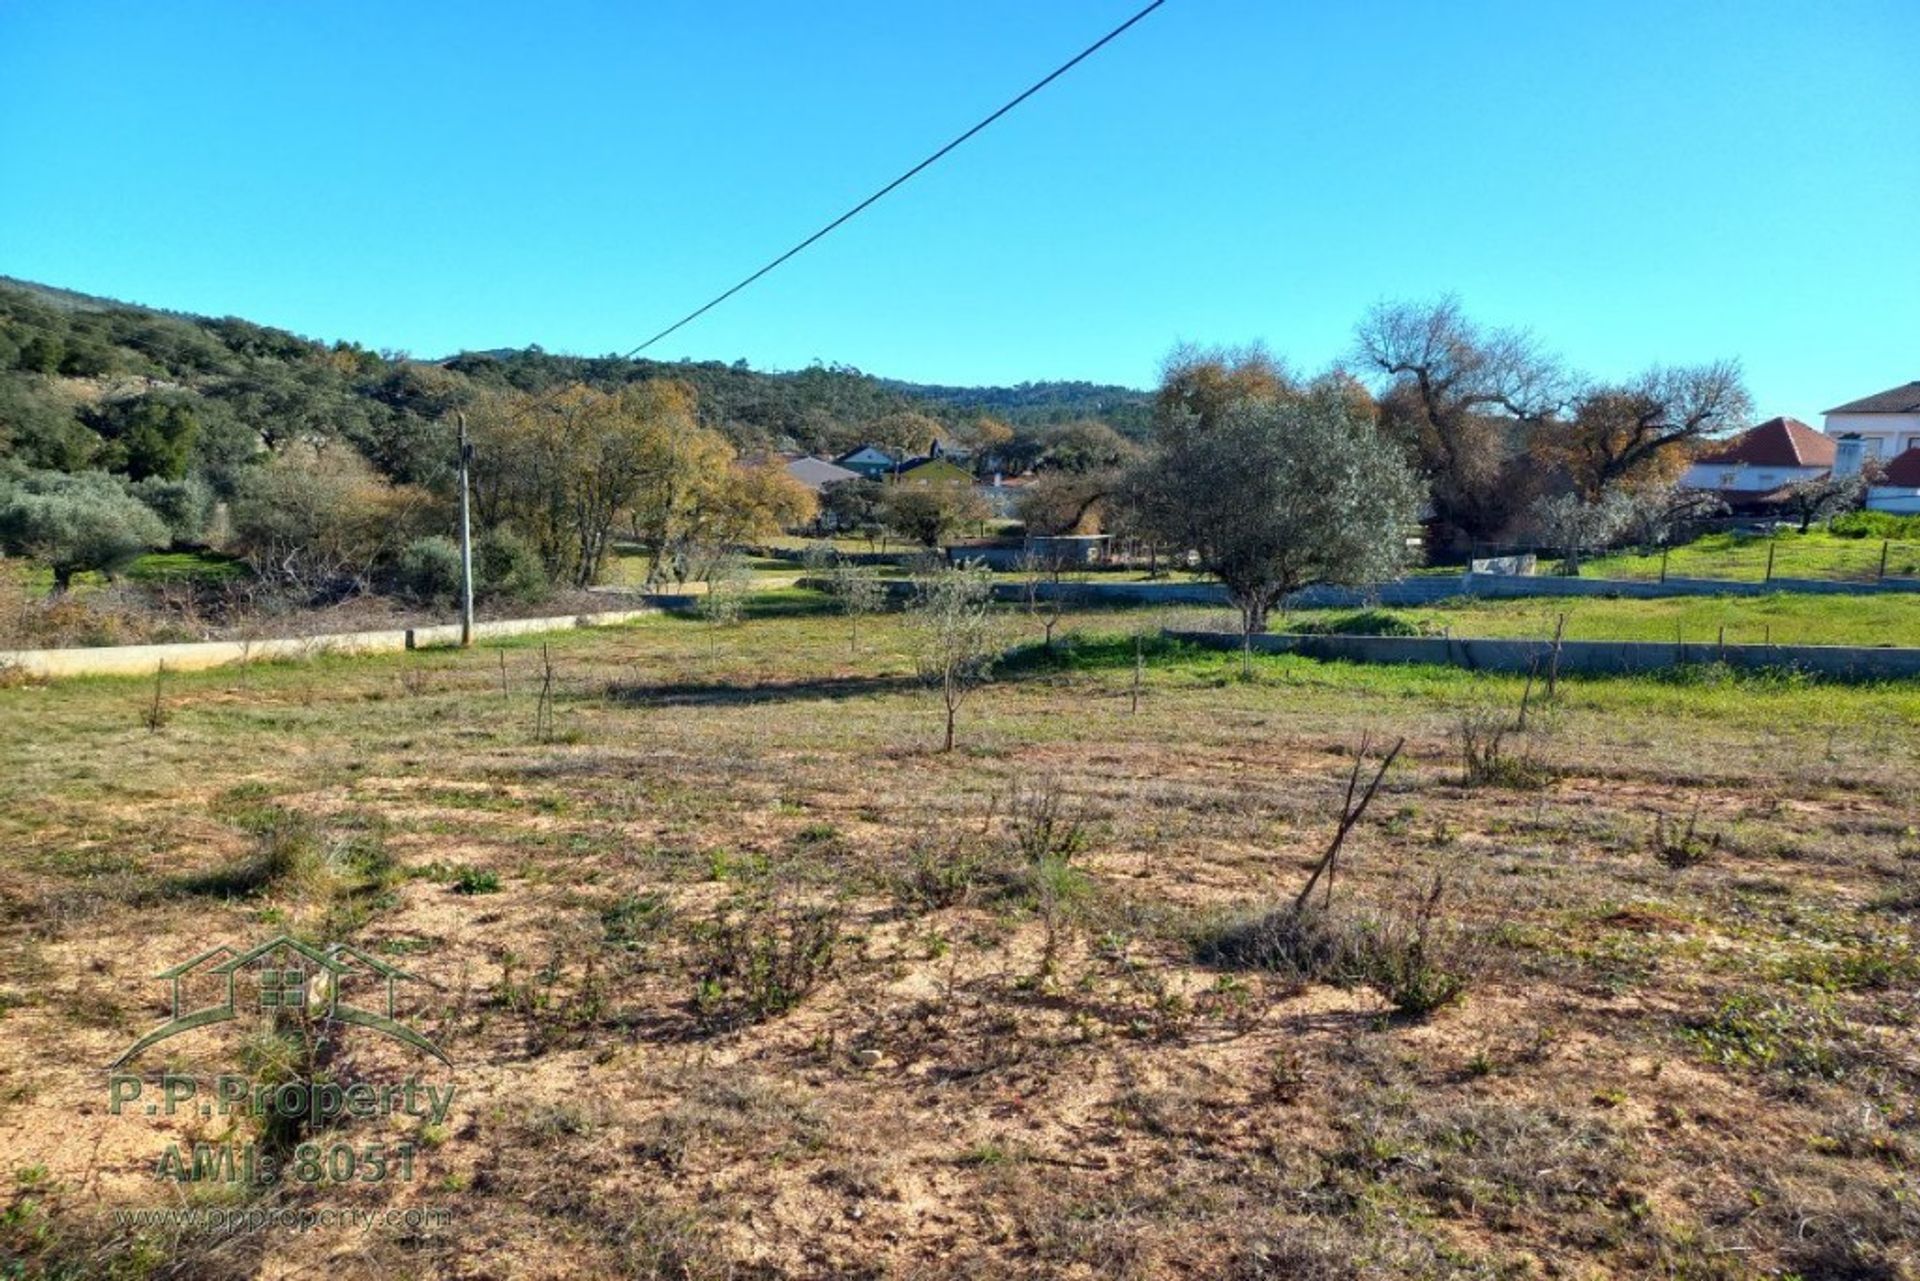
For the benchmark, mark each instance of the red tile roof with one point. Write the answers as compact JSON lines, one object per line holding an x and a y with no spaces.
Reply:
{"x":1904,"y":399}
{"x":1904,"y":472}
{"x":1777,"y":442}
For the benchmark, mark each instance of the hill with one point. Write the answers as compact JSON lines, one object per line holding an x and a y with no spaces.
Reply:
{"x":88,"y":382}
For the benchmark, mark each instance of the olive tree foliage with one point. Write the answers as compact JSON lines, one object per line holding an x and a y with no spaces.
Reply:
{"x":1823,"y":497}
{"x":956,"y":636}
{"x":1276,"y":495}
{"x":1460,"y":399}
{"x":1575,"y":526}
{"x":858,"y":591}
{"x":72,"y":523}
{"x":1661,"y":515}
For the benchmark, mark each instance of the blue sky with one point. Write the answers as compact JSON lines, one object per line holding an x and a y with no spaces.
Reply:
{"x":1636,"y":182}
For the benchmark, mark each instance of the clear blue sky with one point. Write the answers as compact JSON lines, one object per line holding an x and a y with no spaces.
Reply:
{"x":1636,"y":182}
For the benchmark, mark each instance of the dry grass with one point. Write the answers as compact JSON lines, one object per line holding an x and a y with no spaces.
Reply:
{"x":765,"y":986}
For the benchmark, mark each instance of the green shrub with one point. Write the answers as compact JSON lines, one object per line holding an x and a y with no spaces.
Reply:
{"x":476,"y":880}
{"x":1867,"y":524}
{"x":1772,"y":1032}
{"x":429,"y":570}
{"x":506,"y":567}
{"x":1365,"y":622}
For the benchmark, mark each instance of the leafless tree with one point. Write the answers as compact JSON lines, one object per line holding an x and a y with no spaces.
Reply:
{"x":1620,"y":431}
{"x":1455,"y":393}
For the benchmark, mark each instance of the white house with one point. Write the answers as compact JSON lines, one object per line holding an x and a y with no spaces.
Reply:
{"x":1879,"y":427}
{"x":1760,"y":462}
{"x":1898,"y":489}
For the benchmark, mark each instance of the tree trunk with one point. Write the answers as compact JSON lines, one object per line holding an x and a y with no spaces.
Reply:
{"x":949,"y":744}
{"x":62,"y":579}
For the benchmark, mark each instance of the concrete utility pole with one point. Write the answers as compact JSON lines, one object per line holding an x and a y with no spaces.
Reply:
{"x":466,"y":541}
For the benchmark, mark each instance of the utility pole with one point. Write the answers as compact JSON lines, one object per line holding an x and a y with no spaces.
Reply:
{"x":466,"y":541}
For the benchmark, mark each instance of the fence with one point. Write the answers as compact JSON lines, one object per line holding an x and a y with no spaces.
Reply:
{"x":1734,"y":556}
{"x":1615,"y":658}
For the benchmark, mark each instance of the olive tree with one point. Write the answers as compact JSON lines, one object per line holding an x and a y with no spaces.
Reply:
{"x":957,"y":640}
{"x":1822,"y":497}
{"x":73,"y":523}
{"x":1573,"y":526}
{"x":1277,"y":495}
{"x":857,"y":590}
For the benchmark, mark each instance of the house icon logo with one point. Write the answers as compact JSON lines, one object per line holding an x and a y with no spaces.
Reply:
{"x":284,"y":975}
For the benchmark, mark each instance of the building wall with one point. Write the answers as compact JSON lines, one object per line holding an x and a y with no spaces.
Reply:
{"x":1746,"y":477}
{"x":1886,"y":436}
{"x":1890,"y":498}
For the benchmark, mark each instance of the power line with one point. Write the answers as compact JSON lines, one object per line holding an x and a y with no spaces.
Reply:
{"x":1036,"y":87}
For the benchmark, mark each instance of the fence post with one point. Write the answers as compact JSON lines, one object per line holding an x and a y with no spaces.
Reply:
{"x":1772,"y":544}
{"x":1884,"y":544}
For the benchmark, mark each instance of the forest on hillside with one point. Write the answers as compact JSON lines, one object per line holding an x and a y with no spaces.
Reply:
{"x":90,"y":384}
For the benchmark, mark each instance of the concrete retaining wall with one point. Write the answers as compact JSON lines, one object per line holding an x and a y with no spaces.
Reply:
{"x":1427,"y":589}
{"x":1486,"y":654}
{"x":144,"y":660}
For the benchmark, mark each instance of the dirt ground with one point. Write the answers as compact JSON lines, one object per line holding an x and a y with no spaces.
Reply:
{"x":739,"y":978}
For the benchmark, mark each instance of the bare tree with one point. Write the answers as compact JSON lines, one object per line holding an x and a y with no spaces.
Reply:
{"x":1041,"y":591}
{"x":958,"y":641}
{"x":1634,"y":431}
{"x":1456,"y":393}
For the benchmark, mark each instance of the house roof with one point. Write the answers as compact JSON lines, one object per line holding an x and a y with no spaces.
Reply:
{"x":1904,"y":399}
{"x":817,"y":473}
{"x":913,"y":465}
{"x":1777,"y":442}
{"x":1904,"y":471}
{"x":865,"y":449}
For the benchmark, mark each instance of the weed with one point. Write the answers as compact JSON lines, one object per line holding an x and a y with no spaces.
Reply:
{"x":469,"y":879}
{"x":287,"y":854}
{"x":1398,"y":956}
{"x":1682,"y":847}
{"x":1771,"y":1032}
{"x":1481,"y":734}
{"x":635,"y":921}
{"x":759,"y":958}
{"x":157,"y":713}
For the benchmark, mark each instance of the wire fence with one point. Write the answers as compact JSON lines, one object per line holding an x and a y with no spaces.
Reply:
{"x":1732,"y":557}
